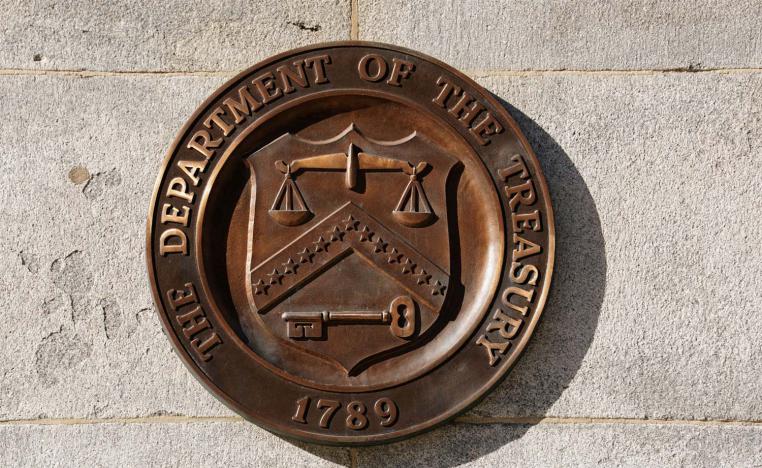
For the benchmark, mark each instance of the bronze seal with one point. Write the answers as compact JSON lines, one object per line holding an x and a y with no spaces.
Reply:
{"x":350,"y":243}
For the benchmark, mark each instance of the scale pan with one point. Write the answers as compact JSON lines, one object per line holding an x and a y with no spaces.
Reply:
{"x":413,"y":218}
{"x":290,"y":217}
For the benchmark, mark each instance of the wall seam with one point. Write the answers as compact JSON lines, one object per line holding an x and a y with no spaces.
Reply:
{"x":354,"y":32}
{"x":472,"y":73}
{"x":609,"y":72}
{"x":599,"y":421}
{"x":96,"y":73}
{"x":353,"y":456}
{"x":472,"y":420}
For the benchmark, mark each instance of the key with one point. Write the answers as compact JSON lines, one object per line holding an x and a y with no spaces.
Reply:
{"x":309,"y":325}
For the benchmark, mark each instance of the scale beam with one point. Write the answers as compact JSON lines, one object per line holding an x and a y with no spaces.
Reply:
{"x":413,"y":208}
{"x":351,"y":162}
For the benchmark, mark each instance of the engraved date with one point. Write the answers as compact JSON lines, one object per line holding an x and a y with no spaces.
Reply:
{"x":384,"y":410}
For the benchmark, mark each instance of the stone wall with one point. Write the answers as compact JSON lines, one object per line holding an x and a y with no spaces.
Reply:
{"x":646,"y":116}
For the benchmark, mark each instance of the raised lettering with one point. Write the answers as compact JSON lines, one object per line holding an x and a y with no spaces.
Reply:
{"x":170,"y":214}
{"x":515,"y":291}
{"x":245,"y":105}
{"x":448,"y":89}
{"x":193,"y":322}
{"x":466,"y":109}
{"x":519,"y":167}
{"x":267,"y":88}
{"x":524,"y":248}
{"x":192,"y":169}
{"x":491,"y":348}
{"x":377,"y":63}
{"x":180,"y":297}
{"x":524,"y":273}
{"x":302,"y":405}
{"x":202,"y":142}
{"x":289,"y":77}
{"x":507,"y":326}
{"x":202,"y":348}
{"x":488,"y":126}
{"x":165,"y":247}
{"x":178,"y":188}
{"x":385,"y":409}
{"x":318,"y":63}
{"x":521,"y":194}
{"x":216,"y":119}
{"x":330,"y":407}
{"x":401,"y":69}
{"x":523,"y":221}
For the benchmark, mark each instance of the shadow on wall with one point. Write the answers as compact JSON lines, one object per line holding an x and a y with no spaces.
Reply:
{"x":559,"y":344}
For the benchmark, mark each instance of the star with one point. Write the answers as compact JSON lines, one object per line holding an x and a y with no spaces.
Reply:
{"x":408,"y":266}
{"x":260,"y":287}
{"x":380,"y":245}
{"x":289,"y":267}
{"x":350,"y":223}
{"x":321,"y":244}
{"x":394,"y":256}
{"x":335,"y":234}
{"x":305,"y":255}
{"x":422,"y":277}
{"x":439,"y":289}
{"x":366,"y":234}
{"x":275,"y":276}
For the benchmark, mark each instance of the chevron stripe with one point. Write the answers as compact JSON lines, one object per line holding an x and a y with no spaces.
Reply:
{"x":345,"y":231}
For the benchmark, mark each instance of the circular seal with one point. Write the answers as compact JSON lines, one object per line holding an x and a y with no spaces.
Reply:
{"x":350,"y":243}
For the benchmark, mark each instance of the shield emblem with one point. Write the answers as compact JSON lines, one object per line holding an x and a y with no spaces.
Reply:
{"x":349,"y":249}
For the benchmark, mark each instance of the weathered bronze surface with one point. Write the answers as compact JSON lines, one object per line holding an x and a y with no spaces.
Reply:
{"x":350,"y":243}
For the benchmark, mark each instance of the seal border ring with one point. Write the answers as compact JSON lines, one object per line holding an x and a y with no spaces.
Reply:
{"x":214,"y":306}
{"x":431,"y":423}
